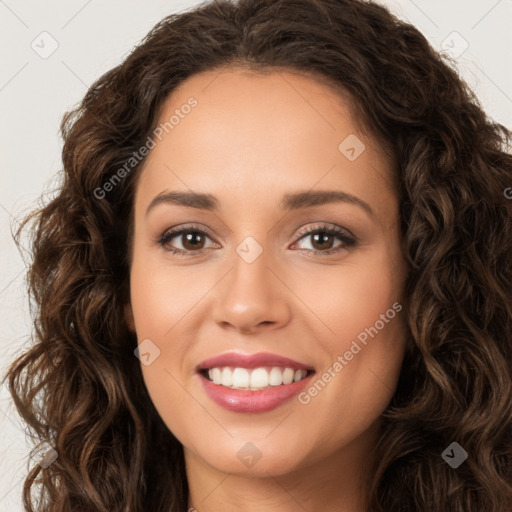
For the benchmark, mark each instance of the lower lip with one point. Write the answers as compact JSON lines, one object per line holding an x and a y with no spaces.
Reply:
{"x":239,"y":400}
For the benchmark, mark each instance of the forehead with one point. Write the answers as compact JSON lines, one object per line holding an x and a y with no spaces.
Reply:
{"x":252,"y":133}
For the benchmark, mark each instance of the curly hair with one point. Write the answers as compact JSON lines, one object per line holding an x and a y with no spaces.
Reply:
{"x":79,"y":386}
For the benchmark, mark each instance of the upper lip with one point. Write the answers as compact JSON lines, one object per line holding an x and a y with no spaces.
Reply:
{"x":260,"y":359}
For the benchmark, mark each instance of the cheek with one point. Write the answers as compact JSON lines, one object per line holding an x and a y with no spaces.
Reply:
{"x":166,"y":305}
{"x":363,"y":335}
{"x":161,"y":295}
{"x":346,"y":300}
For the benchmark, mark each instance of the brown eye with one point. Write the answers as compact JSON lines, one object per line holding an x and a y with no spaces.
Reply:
{"x":192,"y":240}
{"x":185,"y":240}
{"x":323,"y":240}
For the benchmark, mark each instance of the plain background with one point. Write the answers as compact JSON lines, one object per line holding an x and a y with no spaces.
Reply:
{"x":92,"y":37}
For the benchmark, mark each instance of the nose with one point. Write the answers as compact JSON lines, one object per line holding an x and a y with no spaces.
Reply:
{"x":252,"y":297}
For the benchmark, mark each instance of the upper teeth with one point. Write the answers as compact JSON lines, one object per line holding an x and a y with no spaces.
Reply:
{"x":256,"y":378}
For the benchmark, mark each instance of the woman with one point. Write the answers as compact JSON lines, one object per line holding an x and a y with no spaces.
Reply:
{"x":276,"y":275}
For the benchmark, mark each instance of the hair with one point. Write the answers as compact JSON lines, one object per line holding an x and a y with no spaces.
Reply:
{"x":79,"y":386}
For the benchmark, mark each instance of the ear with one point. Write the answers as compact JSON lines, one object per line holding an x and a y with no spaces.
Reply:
{"x":128,"y":316}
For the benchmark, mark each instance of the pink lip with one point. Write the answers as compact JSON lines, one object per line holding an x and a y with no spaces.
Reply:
{"x":238,"y":400}
{"x":252,"y":401}
{"x":251,"y":361}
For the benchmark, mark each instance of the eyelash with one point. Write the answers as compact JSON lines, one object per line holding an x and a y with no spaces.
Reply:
{"x":343,"y":235}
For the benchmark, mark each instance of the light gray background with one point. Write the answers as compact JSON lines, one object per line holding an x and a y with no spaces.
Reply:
{"x":92,"y":37}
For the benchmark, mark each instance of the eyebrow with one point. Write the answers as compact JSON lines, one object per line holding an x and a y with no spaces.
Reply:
{"x":289,"y":202}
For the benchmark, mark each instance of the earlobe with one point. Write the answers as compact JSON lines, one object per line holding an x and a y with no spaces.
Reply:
{"x":128,"y":315}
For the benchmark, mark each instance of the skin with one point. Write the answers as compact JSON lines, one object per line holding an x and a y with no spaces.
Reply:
{"x":251,"y":139}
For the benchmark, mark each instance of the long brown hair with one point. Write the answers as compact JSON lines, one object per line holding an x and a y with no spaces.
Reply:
{"x":452,"y":170}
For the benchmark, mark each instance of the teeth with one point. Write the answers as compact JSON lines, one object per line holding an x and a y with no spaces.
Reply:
{"x":215,"y":375}
{"x":240,"y":378}
{"x":276,"y":377}
{"x":255,"y":379}
{"x":288,"y":376}
{"x":259,"y":378}
{"x":227,"y":377}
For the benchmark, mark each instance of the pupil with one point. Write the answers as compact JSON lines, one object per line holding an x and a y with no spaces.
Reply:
{"x":192,"y":238}
{"x":323,"y":239}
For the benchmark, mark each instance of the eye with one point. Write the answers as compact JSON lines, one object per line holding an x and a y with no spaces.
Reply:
{"x":193,"y":239}
{"x":323,"y":237}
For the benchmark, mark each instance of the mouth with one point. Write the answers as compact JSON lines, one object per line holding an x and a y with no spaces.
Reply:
{"x":254,"y":379}
{"x":252,"y":383}
{"x":253,"y":371}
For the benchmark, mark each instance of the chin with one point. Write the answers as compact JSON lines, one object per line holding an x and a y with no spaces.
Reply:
{"x":254,"y":459}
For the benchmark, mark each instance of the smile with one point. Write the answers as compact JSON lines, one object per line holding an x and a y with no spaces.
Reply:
{"x":254,"y":379}
{"x":252,"y":383}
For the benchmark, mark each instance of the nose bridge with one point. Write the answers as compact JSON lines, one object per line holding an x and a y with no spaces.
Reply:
{"x":251,"y":295}
{"x":251,"y":284}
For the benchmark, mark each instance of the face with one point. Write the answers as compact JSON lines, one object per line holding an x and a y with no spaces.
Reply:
{"x":285,"y":277}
